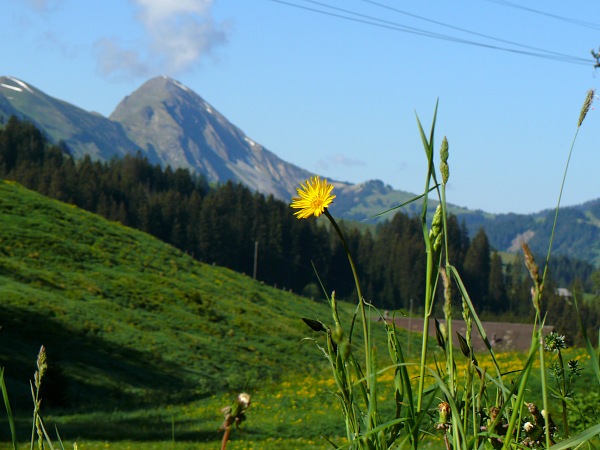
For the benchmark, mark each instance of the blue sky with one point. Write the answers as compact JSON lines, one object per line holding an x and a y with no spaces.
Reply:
{"x":339,"y":96}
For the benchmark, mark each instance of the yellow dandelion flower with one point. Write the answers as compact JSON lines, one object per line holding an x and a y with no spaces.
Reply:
{"x":315,"y":196}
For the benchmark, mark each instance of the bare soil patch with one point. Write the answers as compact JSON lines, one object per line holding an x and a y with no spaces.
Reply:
{"x":503,"y":336}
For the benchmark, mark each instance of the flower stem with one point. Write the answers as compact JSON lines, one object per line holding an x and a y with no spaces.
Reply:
{"x":225,"y":438}
{"x":361,"y":300}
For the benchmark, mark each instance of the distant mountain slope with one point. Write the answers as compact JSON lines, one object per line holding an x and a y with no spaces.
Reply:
{"x":577,"y":234}
{"x":83,"y":132}
{"x":175,"y":126}
{"x":127,"y":319}
{"x":172,"y":125}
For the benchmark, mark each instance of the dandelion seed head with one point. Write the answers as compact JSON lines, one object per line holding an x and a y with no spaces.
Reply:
{"x":528,"y":427}
{"x":244,"y":400}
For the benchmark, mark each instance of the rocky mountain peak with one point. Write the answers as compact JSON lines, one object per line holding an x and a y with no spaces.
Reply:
{"x":175,"y":126}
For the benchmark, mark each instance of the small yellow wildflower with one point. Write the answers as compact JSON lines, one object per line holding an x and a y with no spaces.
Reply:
{"x":315,"y":196}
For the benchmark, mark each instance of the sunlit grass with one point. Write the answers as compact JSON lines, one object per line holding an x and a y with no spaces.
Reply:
{"x":298,"y":412}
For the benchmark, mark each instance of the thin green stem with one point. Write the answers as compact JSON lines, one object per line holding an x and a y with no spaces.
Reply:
{"x":361,"y":299}
{"x":424,"y":341}
{"x":544,"y":387}
{"x":540,"y":330}
{"x":366,"y":326}
{"x":515,"y":416}
{"x":558,"y":205}
{"x":563,"y":394}
{"x":428,"y":277}
{"x":36,"y":403}
{"x":448,"y":305}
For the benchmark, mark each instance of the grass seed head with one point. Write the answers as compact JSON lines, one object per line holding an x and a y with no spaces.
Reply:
{"x":530,"y":263}
{"x":586,"y":106}
{"x":42,"y":366}
{"x":444,"y":168}
{"x":436,"y":232}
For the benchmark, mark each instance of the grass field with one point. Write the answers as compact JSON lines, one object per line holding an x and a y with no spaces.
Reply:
{"x":139,"y":334}
{"x":146,"y":345}
{"x":128,"y":320}
{"x":298,"y":412}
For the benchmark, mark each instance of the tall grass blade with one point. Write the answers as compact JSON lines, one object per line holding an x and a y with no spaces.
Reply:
{"x":574,"y":441}
{"x":453,"y":405}
{"x":412,"y":200}
{"x":62,"y":447}
{"x":48,"y":440}
{"x":11,"y":421}
{"x":521,"y":384}
{"x":584,"y":111}
{"x":588,"y":344}
{"x":431,"y":280}
{"x":478,"y":324}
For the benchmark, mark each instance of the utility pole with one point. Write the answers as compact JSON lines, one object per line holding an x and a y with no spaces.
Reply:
{"x":255,"y":259}
{"x":410,"y":313}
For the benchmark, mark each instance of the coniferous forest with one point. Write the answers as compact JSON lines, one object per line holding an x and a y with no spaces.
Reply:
{"x":228,"y":225}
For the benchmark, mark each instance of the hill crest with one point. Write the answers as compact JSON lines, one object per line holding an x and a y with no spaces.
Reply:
{"x":126,"y":318}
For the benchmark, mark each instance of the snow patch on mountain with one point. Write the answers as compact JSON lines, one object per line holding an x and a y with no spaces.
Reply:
{"x":20,"y":83}
{"x":180,"y":86}
{"x":14,"y":88}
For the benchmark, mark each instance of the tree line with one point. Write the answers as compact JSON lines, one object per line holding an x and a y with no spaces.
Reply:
{"x":231,"y":226}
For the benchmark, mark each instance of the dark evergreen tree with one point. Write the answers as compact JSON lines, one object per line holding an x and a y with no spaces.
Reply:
{"x":458,"y":242}
{"x":477,"y":270}
{"x":497,"y":296}
{"x":519,"y":284}
{"x":222,"y":225}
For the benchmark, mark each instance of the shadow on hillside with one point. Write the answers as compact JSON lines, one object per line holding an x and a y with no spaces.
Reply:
{"x":142,"y":429}
{"x":84,"y":369}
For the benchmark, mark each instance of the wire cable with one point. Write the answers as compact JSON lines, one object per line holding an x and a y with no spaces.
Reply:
{"x":341,"y":13}
{"x":581,"y":23}
{"x":464,"y":30}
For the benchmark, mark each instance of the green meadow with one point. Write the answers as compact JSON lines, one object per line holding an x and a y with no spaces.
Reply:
{"x":144,"y":343}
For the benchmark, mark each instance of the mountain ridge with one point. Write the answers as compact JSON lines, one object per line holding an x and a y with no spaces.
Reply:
{"x":170,"y":124}
{"x":83,"y":132}
{"x":190,"y":133}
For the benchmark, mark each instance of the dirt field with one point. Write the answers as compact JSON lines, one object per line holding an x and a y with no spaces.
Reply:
{"x":503,"y":336}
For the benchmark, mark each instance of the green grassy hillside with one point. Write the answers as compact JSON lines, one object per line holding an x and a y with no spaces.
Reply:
{"x":128,"y":320}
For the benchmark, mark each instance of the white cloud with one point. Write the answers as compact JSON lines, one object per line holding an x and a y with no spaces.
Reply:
{"x":155,"y":11}
{"x":118,"y":62}
{"x":339,"y":160}
{"x":178,"y":35}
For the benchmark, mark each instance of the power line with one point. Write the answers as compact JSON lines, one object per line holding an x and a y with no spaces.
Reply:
{"x":581,"y":23}
{"x":464,"y":30}
{"x":353,"y":16}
